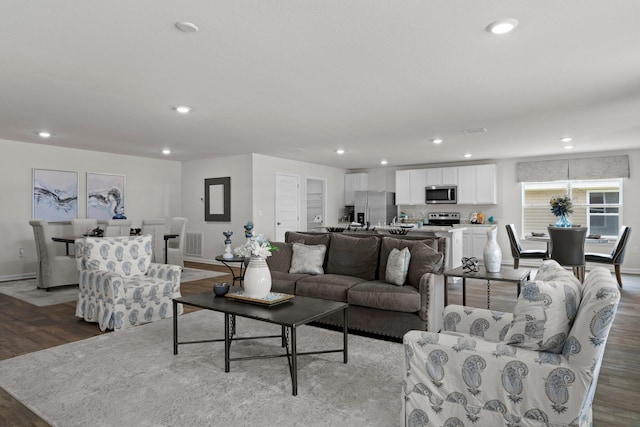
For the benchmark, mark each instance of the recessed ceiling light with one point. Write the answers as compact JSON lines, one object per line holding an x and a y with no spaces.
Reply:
{"x":340,"y":151}
{"x":467,"y":155}
{"x":44,"y":134}
{"x":166,"y":151}
{"x":566,"y":139}
{"x":187,"y":27}
{"x":437,"y":140}
{"x":503,"y":26}
{"x":383,"y":162}
{"x":568,"y":147}
{"x":183,"y":109}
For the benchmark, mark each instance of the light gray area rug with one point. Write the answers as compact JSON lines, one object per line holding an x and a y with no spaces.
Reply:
{"x":26,"y":290}
{"x":133,"y":378}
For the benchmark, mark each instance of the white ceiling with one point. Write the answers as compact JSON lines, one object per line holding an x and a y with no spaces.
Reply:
{"x":298,"y":79}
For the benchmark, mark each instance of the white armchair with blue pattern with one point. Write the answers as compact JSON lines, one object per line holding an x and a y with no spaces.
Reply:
{"x":119,"y":285}
{"x":502,"y":369}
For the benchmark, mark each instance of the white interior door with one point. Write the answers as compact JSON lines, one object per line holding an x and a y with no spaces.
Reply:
{"x":287,"y":204}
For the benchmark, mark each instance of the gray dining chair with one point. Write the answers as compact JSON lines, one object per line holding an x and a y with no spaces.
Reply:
{"x":567,"y":248}
{"x":52,"y":269}
{"x":516,"y":248}
{"x":616,"y":257}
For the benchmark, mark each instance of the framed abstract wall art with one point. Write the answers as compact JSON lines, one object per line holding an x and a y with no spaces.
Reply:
{"x":55,"y":195}
{"x":217,"y":199}
{"x":105,"y":195}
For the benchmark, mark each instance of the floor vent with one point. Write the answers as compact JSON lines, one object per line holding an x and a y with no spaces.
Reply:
{"x":193,"y":244}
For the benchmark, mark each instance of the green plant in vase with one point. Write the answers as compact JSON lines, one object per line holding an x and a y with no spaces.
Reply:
{"x":562,"y":207}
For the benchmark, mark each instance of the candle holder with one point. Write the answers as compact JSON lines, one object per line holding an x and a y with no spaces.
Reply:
{"x":248,"y":230}
{"x":227,"y":245}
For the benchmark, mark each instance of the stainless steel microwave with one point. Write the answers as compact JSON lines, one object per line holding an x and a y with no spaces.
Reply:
{"x":441,"y":194}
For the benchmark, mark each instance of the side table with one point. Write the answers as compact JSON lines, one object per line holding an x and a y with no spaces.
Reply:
{"x":506,"y":274}
{"x":235,"y":260}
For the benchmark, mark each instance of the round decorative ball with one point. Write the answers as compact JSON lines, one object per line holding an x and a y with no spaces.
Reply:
{"x":220,"y":289}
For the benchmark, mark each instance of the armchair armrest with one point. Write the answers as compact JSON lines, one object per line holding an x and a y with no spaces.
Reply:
{"x":489,"y":383}
{"x":492,"y":325}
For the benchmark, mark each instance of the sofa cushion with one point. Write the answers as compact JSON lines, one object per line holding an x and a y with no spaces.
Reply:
{"x":353,"y":256}
{"x":385,"y":296}
{"x":328,"y":286}
{"x":307,"y":239}
{"x":397,"y":266}
{"x":285,"y":282}
{"x":280,"y":260}
{"x":390,"y":243}
{"x":544,"y":314}
{"x":424,"y":259}
{"x":307,"y":259}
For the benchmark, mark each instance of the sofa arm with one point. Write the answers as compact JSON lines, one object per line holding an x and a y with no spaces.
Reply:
{"x":492,"y":325}
{"x":489,"y":383}
{"x":431,"y":291}
{"x":110,"y":285}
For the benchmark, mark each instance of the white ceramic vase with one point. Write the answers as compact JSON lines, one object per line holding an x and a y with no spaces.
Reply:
{"x":257,"y":278}
{"x":492,"y":254}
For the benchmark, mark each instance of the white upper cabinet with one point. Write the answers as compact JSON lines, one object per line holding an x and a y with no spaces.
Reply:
{"x":403,"y":187}
{"x":410,"y":187}
{"x":449,"y":176}
{"x":477,"y":185}
{"x":354,"y":182}
{"x":433,"y":176}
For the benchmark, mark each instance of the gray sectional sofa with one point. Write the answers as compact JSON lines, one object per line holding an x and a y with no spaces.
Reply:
{"x":354,"y":270}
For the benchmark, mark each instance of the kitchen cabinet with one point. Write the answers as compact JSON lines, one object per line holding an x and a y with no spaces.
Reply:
{"x":354,"y":182}
{"x":449,"y":176}
{"x":477,"y":185}
{"x":441,"y":176}
{"x":410,"y":186}
{"x":474,"y":239}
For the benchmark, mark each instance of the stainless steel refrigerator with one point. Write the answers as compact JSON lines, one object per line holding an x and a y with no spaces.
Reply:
{"x":375,"y":207}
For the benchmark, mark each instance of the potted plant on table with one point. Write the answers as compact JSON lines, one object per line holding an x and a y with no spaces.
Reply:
{"x":257,"y":277}
{"x":562,"y":207}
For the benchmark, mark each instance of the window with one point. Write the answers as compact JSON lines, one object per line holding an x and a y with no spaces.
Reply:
{"x":597,"y":204}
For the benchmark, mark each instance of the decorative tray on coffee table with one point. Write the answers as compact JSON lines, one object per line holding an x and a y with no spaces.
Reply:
{"x":272,"y":298}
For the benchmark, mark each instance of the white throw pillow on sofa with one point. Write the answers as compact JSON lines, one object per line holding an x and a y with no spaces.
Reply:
{"x":307,"y":259}
{"x":397,"y":266}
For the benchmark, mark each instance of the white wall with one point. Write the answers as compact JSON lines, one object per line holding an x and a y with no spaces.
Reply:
{"x":252,"y":195}
{"x":508,"y":209}
{"x":264,"y":170}
{"x":152,"y":190}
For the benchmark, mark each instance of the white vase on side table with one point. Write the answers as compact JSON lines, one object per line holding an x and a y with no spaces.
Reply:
{"x":257,"y":278}
{"x":492,"y":254}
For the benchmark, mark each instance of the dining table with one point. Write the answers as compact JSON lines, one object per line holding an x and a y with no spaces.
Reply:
{"x":544,"y":237}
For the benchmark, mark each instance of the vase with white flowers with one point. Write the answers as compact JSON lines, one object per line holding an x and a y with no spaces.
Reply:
{"x":257,"y":277}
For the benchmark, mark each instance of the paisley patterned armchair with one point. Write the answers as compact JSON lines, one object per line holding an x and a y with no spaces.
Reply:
{"x":468,"y":374}
{"x":119,"y":285}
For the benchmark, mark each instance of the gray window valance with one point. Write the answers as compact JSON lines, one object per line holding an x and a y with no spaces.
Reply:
{"x":570,"y":169}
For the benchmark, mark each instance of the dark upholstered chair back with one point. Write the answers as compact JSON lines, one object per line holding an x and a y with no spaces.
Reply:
{"x":514,"y":242}
{"x":567,"y":245}
{"x":617,"y":255}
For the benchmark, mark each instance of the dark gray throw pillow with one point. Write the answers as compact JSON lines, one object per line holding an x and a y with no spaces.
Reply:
{"x":424,"y":259}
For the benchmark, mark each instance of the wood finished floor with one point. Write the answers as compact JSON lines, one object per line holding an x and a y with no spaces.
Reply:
{"x":25,"y":328}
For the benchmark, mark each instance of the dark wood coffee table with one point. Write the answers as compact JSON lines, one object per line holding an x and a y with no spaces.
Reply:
{"x":289,"y":315}
{"x":515,"y":275}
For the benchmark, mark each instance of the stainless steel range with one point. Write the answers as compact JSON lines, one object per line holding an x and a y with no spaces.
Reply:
{"x":444,"y":218}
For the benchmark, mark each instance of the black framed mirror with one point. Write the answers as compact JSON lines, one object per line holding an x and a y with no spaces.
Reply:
{"x":217,"y":199}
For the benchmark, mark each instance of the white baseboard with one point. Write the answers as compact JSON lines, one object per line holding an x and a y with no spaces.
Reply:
{"x":12,"y":277}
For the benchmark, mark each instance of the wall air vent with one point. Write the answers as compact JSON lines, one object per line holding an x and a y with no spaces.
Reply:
{"x":193,"y":244}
